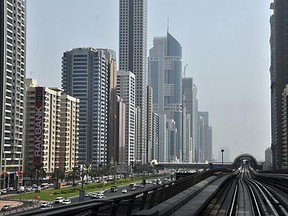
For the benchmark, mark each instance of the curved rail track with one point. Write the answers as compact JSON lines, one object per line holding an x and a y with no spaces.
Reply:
{"x":247,"y":194}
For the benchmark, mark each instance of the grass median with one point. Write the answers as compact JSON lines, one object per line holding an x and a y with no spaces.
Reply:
{"x":51,"y":194}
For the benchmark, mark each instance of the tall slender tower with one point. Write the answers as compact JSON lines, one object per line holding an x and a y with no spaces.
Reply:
{"x":165,"y":77}
{"x":133,"y":57}
{"x":12,"y":78}
{"x":126,"y":90}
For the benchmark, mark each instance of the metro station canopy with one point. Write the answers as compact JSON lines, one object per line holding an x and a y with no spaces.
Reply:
{"x":238,"y":161}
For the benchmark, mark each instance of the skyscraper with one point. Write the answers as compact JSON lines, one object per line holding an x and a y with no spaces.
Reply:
{"x":278,"y":76}
{"x":155,"y":137}
{"x":85,"y":73}
{"x":133,"y":57}
{"x":205,"y":137}
{"x":189,"y":91}
{"x":126,"y":90}
{"x":165,"y":77}
{"x":149,"y":124}
{"x":12,"y":78}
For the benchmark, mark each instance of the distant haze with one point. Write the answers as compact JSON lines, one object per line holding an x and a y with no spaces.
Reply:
{"x":225,"y":44}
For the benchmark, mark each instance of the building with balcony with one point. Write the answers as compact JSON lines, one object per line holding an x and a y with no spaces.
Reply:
{"x":12,"y":82}
{"x":126,"y":90}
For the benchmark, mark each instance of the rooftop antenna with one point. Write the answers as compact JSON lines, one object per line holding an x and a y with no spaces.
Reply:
{"x":184,"y":72}
{"x":168,"y":24}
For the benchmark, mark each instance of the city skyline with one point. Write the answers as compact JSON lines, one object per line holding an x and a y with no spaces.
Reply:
{"x":247,"y":108}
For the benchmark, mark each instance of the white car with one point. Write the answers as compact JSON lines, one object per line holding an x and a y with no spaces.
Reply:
{"x":4,"y":191}
{"x":59,"y":200}
{"x":44,"y":204}
{"x":47,"y":207}
{"x":66,"y":202}
{"x":124,"y":190}
{"x":97,"y":196}
{"x":88,"y":194}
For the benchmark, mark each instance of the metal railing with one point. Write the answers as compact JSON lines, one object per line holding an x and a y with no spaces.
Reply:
{"x":126,"y":204}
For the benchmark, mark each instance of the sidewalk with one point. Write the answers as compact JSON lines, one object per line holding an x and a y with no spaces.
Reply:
{"x":12,"y":203}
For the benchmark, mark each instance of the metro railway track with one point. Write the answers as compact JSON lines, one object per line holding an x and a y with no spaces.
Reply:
{"x":246,"y":195}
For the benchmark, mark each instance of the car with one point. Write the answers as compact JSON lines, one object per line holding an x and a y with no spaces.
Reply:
{"x":44,"y":204}
{"x":21,"y":189}
{"x":59,"y":200}
{"x":66,"y":202}
{"x":124,"y":190}
{"x":88,"y":194}
{"x":102,"y":191}
{"x":113,"y":189}
{"x":97,"y":196}
{"x":10,"y":188}
{"x":29,"y":188}
{"x":6,"y":208}
{"x":93,"y":194}
{"x":47,"y":207}
{"x":133,"y":188}
{"x":4,"y":191}
{"x":132,"y":185}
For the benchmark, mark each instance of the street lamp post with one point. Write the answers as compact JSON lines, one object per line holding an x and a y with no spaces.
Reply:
{"x":222,"y":151}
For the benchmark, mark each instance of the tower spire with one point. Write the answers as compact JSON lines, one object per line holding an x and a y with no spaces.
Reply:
{"x":167,"y":24}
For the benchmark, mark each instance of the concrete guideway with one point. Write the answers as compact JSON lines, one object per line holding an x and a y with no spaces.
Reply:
{"x":190,"y":201}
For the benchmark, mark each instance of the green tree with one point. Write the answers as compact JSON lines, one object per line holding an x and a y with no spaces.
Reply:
{"x":138,"y":168}
{"x":86,"y":170}
{"x":73,"y":175}
{"x":37,"y":171}
{"x":58,"y":175}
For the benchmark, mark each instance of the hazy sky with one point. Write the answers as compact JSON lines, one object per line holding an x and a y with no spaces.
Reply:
{"x":225,"y":44}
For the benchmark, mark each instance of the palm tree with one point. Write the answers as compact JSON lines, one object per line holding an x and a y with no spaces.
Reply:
{"x":85,"y":170}
{"x":58,"y":174}
{"x":74,"y":174}
{"x":37,"y":171}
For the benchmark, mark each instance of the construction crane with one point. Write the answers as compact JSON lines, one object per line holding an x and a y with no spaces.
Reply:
{"x":184,"y":72}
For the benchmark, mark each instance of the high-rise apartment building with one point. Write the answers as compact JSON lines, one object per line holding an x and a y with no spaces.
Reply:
{"x":42,"y":129}
{"x":12,"y":78}
{"x":51,"y":129}
{"x":126,"y":90}
{"x":187,"y":137}
{"x":155,"y":137}
{"x":69,"y":126}
{"x":165,"y":77}
{"x":133,"y":57}
{"x":112,"y":111}
{"x":285,"y":128}
{"x":278,"y":76}
{"x":149,"y":123}
{"x":85,"y":75}
{"x":120,"y":131}
{"x":163,"y":147}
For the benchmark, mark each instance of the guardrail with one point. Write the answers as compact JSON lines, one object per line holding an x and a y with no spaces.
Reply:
{"x":127,"y":204}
